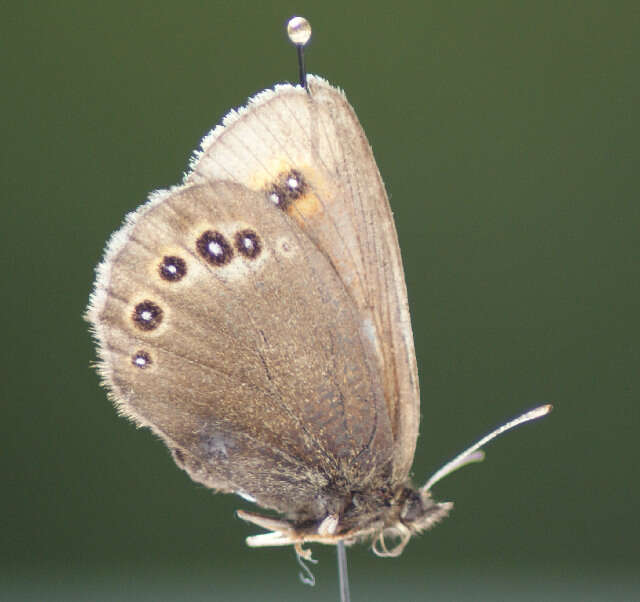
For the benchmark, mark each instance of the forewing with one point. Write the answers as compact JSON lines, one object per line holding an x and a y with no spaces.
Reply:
{"x":308,"y":153}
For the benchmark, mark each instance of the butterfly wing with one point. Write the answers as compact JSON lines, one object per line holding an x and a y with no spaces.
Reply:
{"x":223,"y":328}
{"x":308,"y":153}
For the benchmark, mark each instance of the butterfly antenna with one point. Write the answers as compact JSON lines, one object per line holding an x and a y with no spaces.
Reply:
{"x":475,"y":454}
{"x":299,"y":32}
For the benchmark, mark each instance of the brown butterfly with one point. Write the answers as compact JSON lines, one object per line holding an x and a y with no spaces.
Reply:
{"x":255,"y":318}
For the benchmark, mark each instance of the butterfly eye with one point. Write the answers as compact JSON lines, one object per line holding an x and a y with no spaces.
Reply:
{"x":214,"y":247}
{"x":172,"y":268}
{"x":248,"y":243}
{"x":141,"y":359}
{"x":293,"y":183}
{"x":287,"y":188}
{"x":275,"y":197}
{"x":147,"y":315}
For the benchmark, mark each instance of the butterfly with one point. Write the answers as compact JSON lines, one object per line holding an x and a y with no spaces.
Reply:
{"x":255,"y":318}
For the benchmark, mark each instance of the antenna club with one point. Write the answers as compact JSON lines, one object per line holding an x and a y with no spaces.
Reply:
{"x":299,"y":30}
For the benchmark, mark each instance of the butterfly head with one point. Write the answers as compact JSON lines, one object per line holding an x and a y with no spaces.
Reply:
{"x":414,"y":512}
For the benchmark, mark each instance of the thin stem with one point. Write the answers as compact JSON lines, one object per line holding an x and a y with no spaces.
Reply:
{"x":345,"y":596}
{"x":301,"y":68}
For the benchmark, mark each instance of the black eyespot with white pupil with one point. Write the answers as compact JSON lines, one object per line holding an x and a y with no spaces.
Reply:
{"x":172,"y":268}
{"x":248,"y":243}
{"x":147,"y":315}
{"x":141,"y":359}
{"x":214,"y":247}
{"x":287,"y":188}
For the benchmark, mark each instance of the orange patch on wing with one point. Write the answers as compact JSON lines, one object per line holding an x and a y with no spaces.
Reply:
{"x":304,"y":207}
{"x":313,"y":192}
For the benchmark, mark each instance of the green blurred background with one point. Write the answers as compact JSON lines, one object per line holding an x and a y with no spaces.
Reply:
{"x":507,"y":134}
